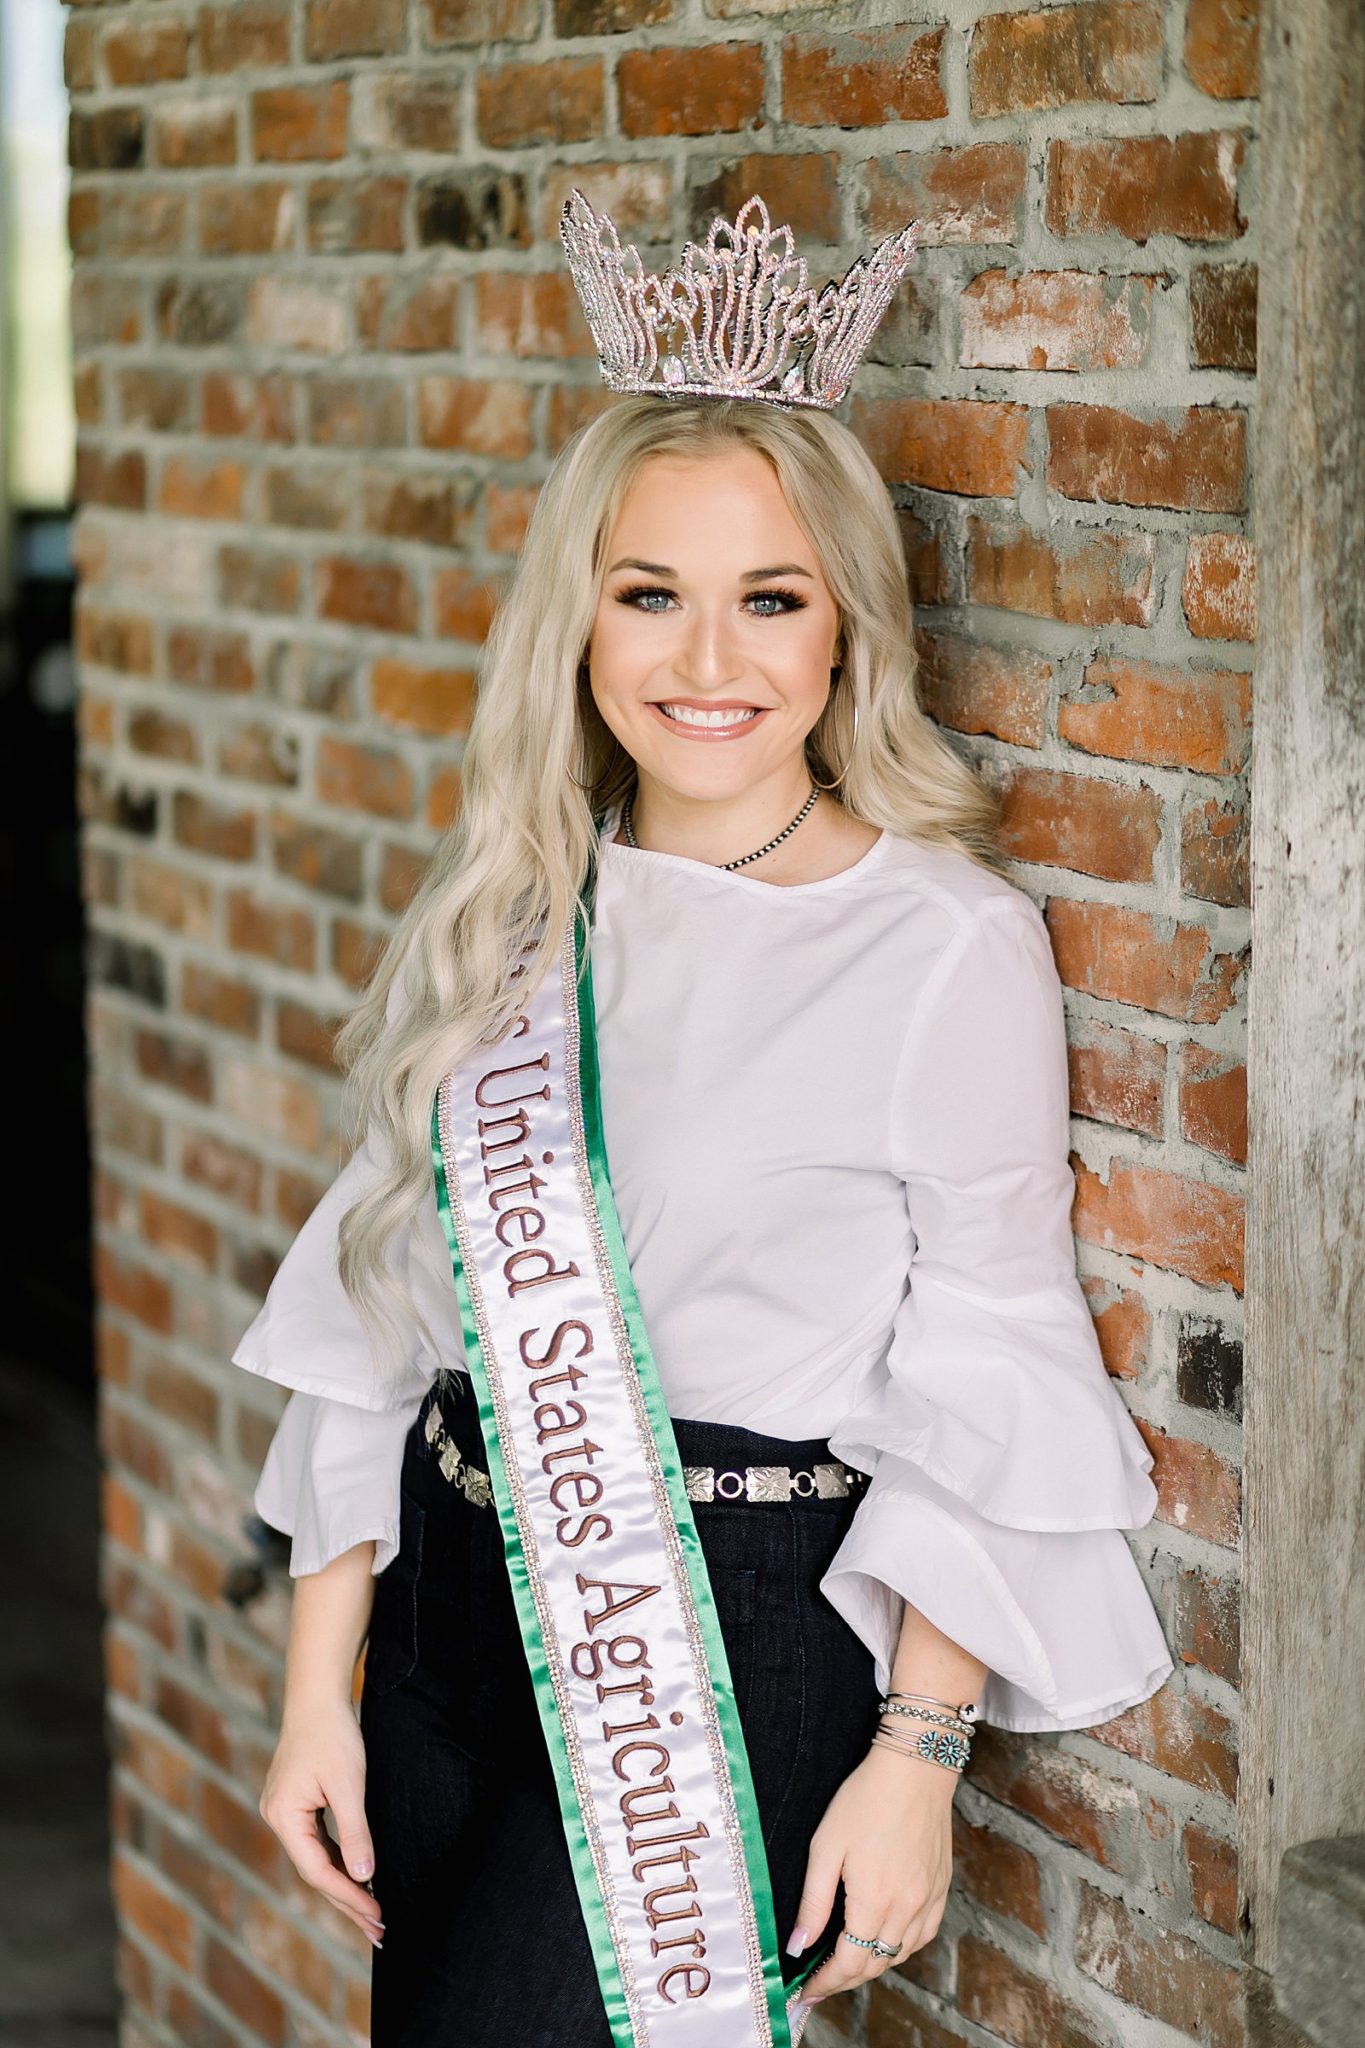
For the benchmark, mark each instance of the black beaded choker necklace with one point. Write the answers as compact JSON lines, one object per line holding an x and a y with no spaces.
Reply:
{"x":744,"y":858}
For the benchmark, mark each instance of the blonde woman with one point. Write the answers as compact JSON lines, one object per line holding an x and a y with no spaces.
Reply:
{"x":821,"y":1048}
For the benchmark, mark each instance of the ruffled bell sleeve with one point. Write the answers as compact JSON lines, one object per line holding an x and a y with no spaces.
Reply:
{"x":330,"y":1478}
{"x":1004,"y":1461}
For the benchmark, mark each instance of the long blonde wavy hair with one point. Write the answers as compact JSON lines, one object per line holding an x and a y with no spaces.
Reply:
{"x":540,"y":763}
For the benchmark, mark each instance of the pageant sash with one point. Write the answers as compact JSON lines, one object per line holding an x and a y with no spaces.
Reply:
{"x":608,"y":1576}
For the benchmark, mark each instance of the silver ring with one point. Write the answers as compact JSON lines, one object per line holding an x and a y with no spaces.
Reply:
{"x":877,"y":1945}
{"x":738,"y":1478}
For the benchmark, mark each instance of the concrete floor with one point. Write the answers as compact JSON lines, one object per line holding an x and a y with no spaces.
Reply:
{"x":57,"y":1926}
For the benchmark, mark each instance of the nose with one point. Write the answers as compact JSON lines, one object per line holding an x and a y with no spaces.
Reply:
{"x":706,"y":658}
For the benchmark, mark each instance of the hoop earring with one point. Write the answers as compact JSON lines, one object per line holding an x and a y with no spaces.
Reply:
{"x":851,"y":749}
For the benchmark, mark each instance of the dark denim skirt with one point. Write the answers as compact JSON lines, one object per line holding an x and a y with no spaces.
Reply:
{"x":485,"y":1943}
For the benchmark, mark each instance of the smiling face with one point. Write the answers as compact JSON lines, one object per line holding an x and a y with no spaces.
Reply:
{"x":715,"y":632}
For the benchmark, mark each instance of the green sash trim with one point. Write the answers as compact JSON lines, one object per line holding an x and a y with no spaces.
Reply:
{"x":533,"y":1637}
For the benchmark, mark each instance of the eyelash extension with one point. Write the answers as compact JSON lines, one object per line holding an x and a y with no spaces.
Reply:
{"x":790,"y":600}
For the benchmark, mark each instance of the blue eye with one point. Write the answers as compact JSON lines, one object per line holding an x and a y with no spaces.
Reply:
{"x":784,"y":600}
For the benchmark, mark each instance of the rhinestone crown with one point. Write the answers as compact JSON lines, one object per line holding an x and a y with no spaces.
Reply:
{"x":748,"y":323}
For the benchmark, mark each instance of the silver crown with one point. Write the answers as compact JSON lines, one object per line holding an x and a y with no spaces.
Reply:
{"x":748,"y":323}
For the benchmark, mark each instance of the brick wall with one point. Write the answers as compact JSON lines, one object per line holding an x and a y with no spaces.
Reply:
{"x":325,"y":349}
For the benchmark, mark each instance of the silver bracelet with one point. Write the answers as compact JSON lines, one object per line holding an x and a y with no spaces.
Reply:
{"x":948,"y":1750}
{"x":966,"y":1710}
{"x":923,"y":1714}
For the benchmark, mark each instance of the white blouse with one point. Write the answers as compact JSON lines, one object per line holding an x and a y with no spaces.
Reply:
{"x":837,"y":1120}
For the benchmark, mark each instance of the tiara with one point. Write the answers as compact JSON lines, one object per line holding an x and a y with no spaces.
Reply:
{"x":750,"y":326}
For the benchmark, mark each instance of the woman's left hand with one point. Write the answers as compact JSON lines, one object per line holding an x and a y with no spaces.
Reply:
{"x":888,"y":1831}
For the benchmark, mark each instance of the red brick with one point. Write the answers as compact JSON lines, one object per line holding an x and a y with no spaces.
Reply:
{"x":1208,"y":1622}
{"x":1162,"y":1973}
{"x":1123,"y":1324}
{"x":145,"y":52}
{"x":443,"y":799}
{"x":481,"y":21}
{"x":1219,"y":591}
{"x":1107,"y":950}
{"x":1117,"y":1077}
{"x":1023,"y":2009}
{"x":315,"y":500}
{"x":926,"y":563}
{"x":960,"y":194}
{"x":271,"y":931}
{"x":252,"y":37}
{"x":637,"y":195}
{"x":245,"y":1994}
{"x":508,"y":514}
{"x":168,"y":739}
{"x":1108,"y":50}
{"x":1215,"y":853}
{"x":229,"y":1172}
{"x":250,"y":408}
{"x":1055,"y":320}
{"x":802,"y":191}
{"x":485,"y":418}
{"x":1198,"y":719}
{"x":1184,"y":1226}
{"x":984,"y":689}
{"x":354,"y":593}
{"x":1078,"y":822}
{"x":1083,"y":577}
{"x":304,"y":1035}
{"x":353,"y":28}
{"x":258,"y":580}
{"x":1144,"y":185}
{"x":193,"y":488}
{"x":1177,"y":1735}
{"x":356,"y":216}
{"x":297,"y":313}
{"x":863,"y":79}
{"x":521,"y":314}
{"x":407,"y":505}
{"x":317,"y":858}
{"x":1213,"y":1102}
{"x":355,"y":412}
{"x":133,"y":1290}
{"x":1222,"y":47}
{"x":246,"y":220}
{"x":1211,"y":1862}
{"x":262,"y":753}
{"x":231,"y":1005}
{"x":1075,"y":1803}
{"x":462,"y":605}
{"x":1223,"y":316}
{"x":108,"y":476}
{"x":1198,"y":463}
{"x":142,"y":1904}
{"x":402,"y":870}
{"x":210,"y":828}
{"x":971,"y":447}
{"x":364,"y":779}
{"x":998,"y":1874}
{"x":407,"y":315}
{"x":194,"y":134}
{"x":116,"y":640}
{"x":166,"y":896}
{"x":300,"y":123}
{"x":572,"y":406}
{"x":558,"y":100}
{"x":614,"y":17}
{"x":435,"y":701}
{"x":709,"y":89}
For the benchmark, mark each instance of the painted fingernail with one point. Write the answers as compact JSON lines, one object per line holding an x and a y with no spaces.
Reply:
{"x":364,"y":1868}
{"x":797,"y":1941}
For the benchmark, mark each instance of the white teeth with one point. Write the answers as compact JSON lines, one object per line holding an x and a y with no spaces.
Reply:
{"x":685,"y":715}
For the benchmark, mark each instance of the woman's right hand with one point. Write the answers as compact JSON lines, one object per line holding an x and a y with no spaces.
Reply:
{"x":320,"y":1762}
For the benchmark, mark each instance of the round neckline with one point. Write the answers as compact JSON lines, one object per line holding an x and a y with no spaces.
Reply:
{"x":860,"y":866}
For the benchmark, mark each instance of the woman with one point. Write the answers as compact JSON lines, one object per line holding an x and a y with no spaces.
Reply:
{"x":834,"y":1098}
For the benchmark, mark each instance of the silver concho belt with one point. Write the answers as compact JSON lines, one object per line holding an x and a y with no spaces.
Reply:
{"x":703,"y":1482}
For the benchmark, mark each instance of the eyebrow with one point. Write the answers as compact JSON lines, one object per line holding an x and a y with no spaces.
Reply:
{"x":749,"y":576}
